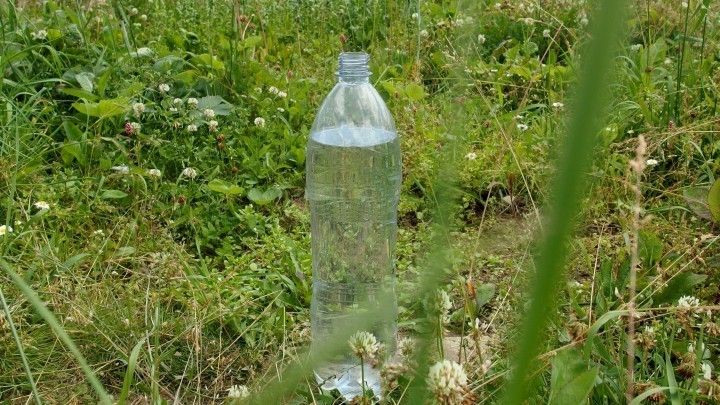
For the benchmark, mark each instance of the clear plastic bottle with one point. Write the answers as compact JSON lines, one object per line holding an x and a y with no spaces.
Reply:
{"x":353,"y":186}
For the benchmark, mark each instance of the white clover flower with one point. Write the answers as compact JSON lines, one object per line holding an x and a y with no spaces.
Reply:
{"x":443,"y":305}
{"x":192,"y":128}
{"x":5,"y":229}
{"x":282,"y":94}
{"x":688,"y":302}
{"x":273,"y":90}
{"x":99,"y":232}
{"x":651,"y":162}
{"x":138,"y":109}
{"x":522,"y":127}
{"x":280,"y":110}
{"x":189,"y":172}
{"x":163,"y":87}
{"x":424,"y":33}
{"x":154,"y":173}
{"x":122,"y":169}
{"x":212,"y":126}
{"x":192,"y":102}
{"x":448,"y":382}
{"x":259,"y":121}
{"x":684,"y":4}
{"x":42,"y":205}
{"x":528,"y":21}
{"x":635,"y":47}
{"x":177,"y":101}
{"x":143,"y":17}
{"x":558,"y":105}
{"x":546,"y":33}
{"x":667,"y":61}
{"x":584,"y":21}
{"x":481,"y":39}
{"x":707,"y":371}
{"x":134,"y":11}
{"x":415,"y":16}
{"x":258,"y":89}
{"x":209,"y":113}
{"x":173,"y":110}
{"x":238,"y":391}
{"x":40,"y":35}
{"x":471,"y":156}
{"x":364,"y":345}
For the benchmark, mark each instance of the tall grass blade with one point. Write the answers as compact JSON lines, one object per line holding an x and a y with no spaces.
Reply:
{"x":130,"y":372}
{"x":48,"y":316}
{"x":18,"y":343}
{"x":567,"y":191}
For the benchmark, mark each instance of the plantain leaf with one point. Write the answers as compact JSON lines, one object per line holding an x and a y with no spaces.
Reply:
{"x":713,"y":200}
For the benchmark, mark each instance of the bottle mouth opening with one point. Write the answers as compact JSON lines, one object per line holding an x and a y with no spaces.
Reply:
{"x":353,"y":65}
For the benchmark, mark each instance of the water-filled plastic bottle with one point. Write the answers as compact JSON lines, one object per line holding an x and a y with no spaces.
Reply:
{"x":353,"y":185}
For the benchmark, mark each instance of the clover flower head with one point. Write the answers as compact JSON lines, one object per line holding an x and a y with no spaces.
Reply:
{"x":40,"y":35}
{"x":5,"y":229}
{"x":688,"y":302}
{"x":192,"y":102}
{"x":448,"y":382}
{"x":209,"y":113}
{"x":163,"y":87}
{"x":138,"y":109}
{"x":481,"y":39}
{"x":154,"y":173}
{"x":364,"y":345}
{"x":471,"y":156}
{"x":122,"y":169}
{"x":189,"y":172}
{"x":212,"y":126}
{"x":546,"y":33}
{"x":259,"y":121}
{"x":522,"y":127}
{"x":177,"y":101}
{"x":238,"y":392}
{"x":42,"y":205}
{"x":651,"y":162}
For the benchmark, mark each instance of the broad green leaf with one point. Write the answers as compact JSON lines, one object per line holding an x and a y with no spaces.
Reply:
{"x":571,"y":381}
{"x":75,"y":260}
{"x":264,"y":197}
{"x":713,"y":200}
{"x":223,"y":187}
{"x":215,"y":103}
{"x":209,"y":62}
{"x":414,"y":91}
{"x":696,"y":199}
{"x":113,"y":194}
{"x":125,"y":251}
{"x":251,"y":42}
{"x":79,"y":93}
{"x":682,"y":284}
{"x":649,"y":248}
{"x":484,"y":294}
{"x":104,"y":108}
{"x":85,"y":80}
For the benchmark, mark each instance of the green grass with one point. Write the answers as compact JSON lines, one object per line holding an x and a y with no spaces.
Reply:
{"x":175,"y":288}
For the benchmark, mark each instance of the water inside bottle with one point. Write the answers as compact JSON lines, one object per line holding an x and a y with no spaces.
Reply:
{"x":353,"y":188}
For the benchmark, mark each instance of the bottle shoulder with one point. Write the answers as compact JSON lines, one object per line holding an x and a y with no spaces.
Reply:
{"x":353,"y":105}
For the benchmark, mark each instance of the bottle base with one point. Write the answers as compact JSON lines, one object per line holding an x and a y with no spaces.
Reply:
{"x":346,"y":378}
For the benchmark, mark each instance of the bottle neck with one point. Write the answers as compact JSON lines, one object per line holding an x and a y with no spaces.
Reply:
{"x":353,"y":67}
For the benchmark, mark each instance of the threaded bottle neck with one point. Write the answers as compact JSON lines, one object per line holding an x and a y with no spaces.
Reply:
{"x":353,"y":67}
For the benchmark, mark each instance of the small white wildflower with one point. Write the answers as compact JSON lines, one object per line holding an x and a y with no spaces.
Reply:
{"x":238,"y":391}
{"x":528,"y":21}
{"x":42,"y":205}
{"x":584,"y":21}
{"x":688,"y":302}
{"x":667,"y":61}
{"x":173,"y":110}
{"x":707,"y":371}
{"x":546,"y":33}
{"x":281,"y":94}
{"x":415,"y":16}
{"x":99,"y":232}
{"x":122,"y":169}
{"x":192,"y":128}
{"x":635,"y":47}
{"x":40,"y":35}
{"x":209,"y":113}
{"x":192,"y":102}
{"x":443,"y":305}
{"x":684,"y":4}
{"x":280,"y":110}
{"x":522,"y":127}
{"x":364,"y":345}
{"x":5,"y":229}
{"x":154,"y":173}
{"x":448,"y":382}
{"x":259,"y":121}
{"x":471,"y":156}
{"x":189,"y":172}
{"x":135,"y":127}
{"x":558,"y":105}
{"x":273,"y":90}
{"x":134,"y":11}
{"x":143,"y":17}
{"x":258,"y":89}
{"x":424,"y":33}
{"x":138,"y":109}
{"x":651,"y":162}
{"x":212,"y":126}
{"x":481,"y":39}
{"x":177,"y":101}
{"x":164,"y":87}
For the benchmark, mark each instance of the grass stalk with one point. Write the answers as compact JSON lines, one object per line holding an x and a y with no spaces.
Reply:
{"x":567,"y":193}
